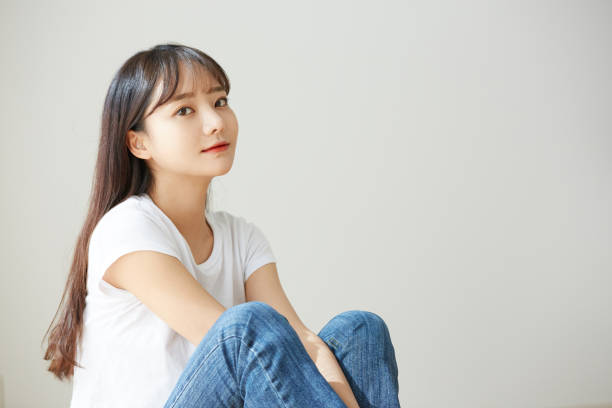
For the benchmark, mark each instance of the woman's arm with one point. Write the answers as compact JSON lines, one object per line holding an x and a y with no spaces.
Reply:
{"x":166,"y":287}
{"x":264,"y":285}
{"x":328,"y":366}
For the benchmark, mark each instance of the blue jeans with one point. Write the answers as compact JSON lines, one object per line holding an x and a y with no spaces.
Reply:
{"x":252,"y":357}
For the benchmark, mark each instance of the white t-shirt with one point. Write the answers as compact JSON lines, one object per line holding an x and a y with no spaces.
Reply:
{"x":130,"y":357}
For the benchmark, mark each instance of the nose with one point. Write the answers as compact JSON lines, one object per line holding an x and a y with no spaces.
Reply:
{"x":212,"y":122}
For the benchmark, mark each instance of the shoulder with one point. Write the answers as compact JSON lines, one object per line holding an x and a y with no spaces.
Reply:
{"x":236,"y":224}
{"x":244,"y":231}
{"x":129,"y":226}
{"x":128,"y":215}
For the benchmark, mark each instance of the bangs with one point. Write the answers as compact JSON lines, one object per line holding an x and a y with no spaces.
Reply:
{"x":168,"y":70}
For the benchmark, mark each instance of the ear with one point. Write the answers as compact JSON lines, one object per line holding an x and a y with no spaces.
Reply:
{"x":135,"y":141}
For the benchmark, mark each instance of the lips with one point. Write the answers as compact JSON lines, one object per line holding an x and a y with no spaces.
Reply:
{"x":217,"y":145}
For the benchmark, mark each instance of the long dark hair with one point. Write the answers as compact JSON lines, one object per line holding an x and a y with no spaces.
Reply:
{"x":118,"y":174}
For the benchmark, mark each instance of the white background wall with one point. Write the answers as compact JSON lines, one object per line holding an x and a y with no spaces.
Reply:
{"x":443,"y":164}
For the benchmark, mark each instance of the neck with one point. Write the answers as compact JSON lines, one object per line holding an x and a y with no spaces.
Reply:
{"x":184,"y":203}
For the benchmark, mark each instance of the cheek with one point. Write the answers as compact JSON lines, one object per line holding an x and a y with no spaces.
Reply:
{"x":173,"y":144}
{"x":231,"y":122}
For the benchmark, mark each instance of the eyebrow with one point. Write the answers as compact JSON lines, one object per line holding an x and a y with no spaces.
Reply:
{"x":191,"y":94}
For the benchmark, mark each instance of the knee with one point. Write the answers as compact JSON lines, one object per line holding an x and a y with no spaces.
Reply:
{"x":362,"y":320}
{"x":245,"y":312}
{"x":255,"y":322}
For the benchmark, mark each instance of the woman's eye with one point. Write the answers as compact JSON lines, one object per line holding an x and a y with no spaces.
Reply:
{"x":224,"y":99}
{"x":178,"y":112}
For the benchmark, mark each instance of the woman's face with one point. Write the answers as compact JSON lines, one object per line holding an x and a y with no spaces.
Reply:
{"x":178,"y":131}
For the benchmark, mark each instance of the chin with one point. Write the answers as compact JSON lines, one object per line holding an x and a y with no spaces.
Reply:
{"x":223,"y":170}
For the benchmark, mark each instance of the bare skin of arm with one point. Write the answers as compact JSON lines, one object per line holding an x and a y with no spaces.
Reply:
{"x":328,"y":366}
{"x":167,"y":288}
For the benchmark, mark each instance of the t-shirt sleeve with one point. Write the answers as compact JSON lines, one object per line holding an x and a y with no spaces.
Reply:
{"x":125,"y":230}
{"x":258,"y":250}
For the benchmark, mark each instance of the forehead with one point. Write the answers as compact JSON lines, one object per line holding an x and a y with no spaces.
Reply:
{"x":194,"y":78}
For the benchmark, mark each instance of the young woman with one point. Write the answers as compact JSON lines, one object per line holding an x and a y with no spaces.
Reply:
{"x":169,"y":304}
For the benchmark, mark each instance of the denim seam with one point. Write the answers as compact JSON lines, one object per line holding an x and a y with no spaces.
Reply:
{"x":190,"y":379}
{"x":266,"y":372}
{"x":208,"y":355}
